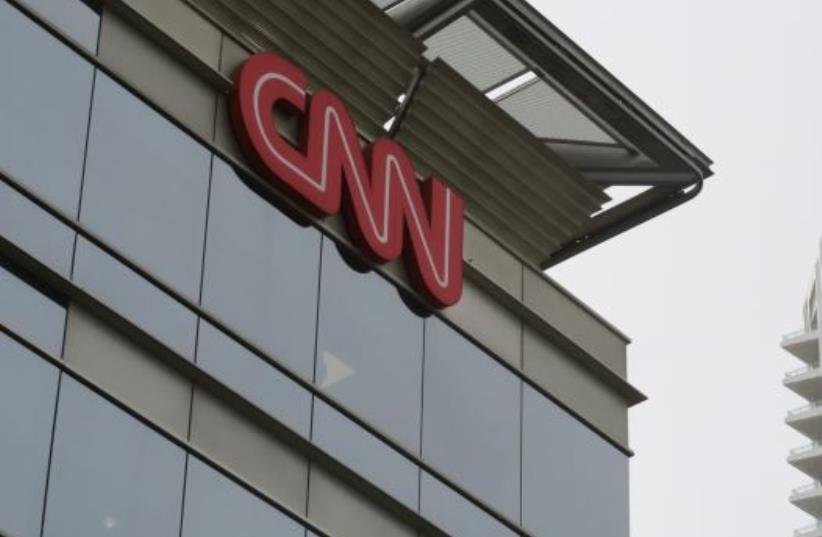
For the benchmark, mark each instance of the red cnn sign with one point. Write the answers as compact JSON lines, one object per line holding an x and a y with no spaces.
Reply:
{"x":388,"y":212}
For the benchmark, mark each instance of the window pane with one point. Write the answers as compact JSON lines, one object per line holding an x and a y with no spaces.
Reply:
{"x":454,"y":514}
{"x":28,"y":388}
{"x":109,"y":473}
{"x":261,"y":271}
{"x":134,"y":298}
{"x":216,"y":507}
{"x":366,"y":454}
{"x":145,"y":187}
{"x":254,"y":379}
{"x":74,"y":17}
{"x":42,"y":138}
{"x":35,"y":231}
{"x":31,"y":314}
{"x":567,"y":470}
{"x":471,"y":425}
{"x":369,"y":354}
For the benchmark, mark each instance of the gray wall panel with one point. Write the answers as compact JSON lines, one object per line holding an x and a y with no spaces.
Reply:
{"x":128,"y":372}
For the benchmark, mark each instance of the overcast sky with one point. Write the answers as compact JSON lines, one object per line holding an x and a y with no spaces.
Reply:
{"x":707,"y":291}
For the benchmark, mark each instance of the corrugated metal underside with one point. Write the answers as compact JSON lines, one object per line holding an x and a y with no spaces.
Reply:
{"x":515,"y":187}
{"x":349,"y":46}
{"x":512,"y":183}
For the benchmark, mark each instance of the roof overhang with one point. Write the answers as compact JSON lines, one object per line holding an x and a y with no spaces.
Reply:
{"x":616,"y":140}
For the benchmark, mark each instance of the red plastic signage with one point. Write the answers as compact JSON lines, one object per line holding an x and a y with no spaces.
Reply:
{"x":387,"y":211}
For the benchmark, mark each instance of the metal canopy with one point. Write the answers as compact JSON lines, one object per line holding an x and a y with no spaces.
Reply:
{"x":565,"y":98}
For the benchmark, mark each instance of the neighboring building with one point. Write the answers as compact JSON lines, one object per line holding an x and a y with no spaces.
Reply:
{"x":807,"y":383}
{"x":191,"y":347}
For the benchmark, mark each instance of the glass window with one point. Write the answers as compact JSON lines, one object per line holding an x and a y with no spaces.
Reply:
{"x":28,"y":388}
{"x":568,"y":470}
{"x":253,"y":378}
{"x":471,"y":422}
{"x":369,"y":351}
{"x":261,"y":271}
{"x":365,"y":454}
{"x":134,"y":298}
{"x":146,"y":187}
{"x":109,"y":473}
{"x":217,"y":507}
{"x":42,"y":137}
{"x":31,"y":314}
{"x":74,"y":17}
{"x":35,"y":231}
{"x":456,"y":515}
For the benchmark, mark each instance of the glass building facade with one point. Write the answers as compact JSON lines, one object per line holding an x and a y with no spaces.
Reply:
{"x":183,"y":355}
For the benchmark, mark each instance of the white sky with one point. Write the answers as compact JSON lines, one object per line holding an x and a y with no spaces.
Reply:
{"x":707,"y":290}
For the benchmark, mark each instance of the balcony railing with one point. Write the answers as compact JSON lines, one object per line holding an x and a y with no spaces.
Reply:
{"x":801,"y":371}
{"x":805,"y":408}
{"x":795,"y":334}
{"x":806,"y":488}
{"x":811,"y":528}
{"x":798,"y":333}
{"x":805,"y":449}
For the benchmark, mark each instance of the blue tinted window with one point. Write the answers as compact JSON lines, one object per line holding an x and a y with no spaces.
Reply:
{"x":110,"y":475}
{"x":73,"y":17}
{"x":471,"y":425}
{"x":254,"y":379}
{"x":135,"y":298}
{"x":35,"y":231}
{"x":261,"y":272}
{"x":369,"y":351}
{"x":568,"y":470}
{"x":145,"y":188}
{"x":31,"y":314}
{"x":455,"y":514}
{"x":28,"y":388}
{"x":42,"y":137}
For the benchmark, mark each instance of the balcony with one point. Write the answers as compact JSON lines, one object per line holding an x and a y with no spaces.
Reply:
{"x":806,"y":382}
{"x":804,"y":344}
{"x":812,"y":530}
{"x":808,"y":459}
{"x":807,"y":420}
{"x":809,"y":498}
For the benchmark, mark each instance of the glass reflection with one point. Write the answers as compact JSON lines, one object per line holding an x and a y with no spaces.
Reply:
{"x":471,"y":426}
{"x":130,"y":478}
{"x":369,"y":350}
{"x":145,"y":187}
{"x":73,"y":17}
{"x":261,"y":271}
{"x":30,"y":313}
{"x":42,"y":139}
{"x":567,"y":470}
{"x":28,"y":389}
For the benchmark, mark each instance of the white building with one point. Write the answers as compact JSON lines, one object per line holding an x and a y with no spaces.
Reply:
{"x":807,"y":419}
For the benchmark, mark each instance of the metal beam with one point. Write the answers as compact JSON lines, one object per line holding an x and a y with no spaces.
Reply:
{"x":425,"y":17}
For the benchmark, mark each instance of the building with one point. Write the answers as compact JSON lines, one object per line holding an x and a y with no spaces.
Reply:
{"x":193,"y":346}
{"x":807,"y":419}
